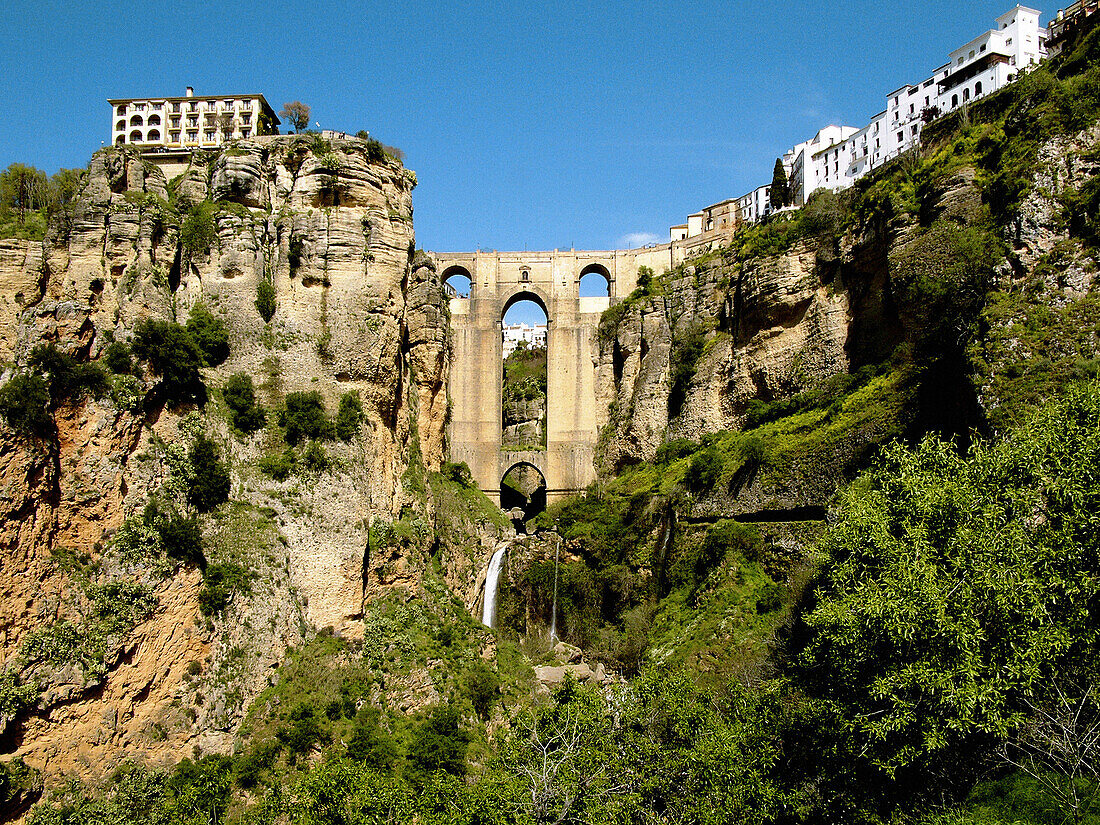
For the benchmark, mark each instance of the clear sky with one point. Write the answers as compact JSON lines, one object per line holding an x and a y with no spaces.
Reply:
{"x":530,"y":125}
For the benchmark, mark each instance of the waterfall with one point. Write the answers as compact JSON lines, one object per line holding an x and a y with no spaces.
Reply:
{"x":489,"y":609}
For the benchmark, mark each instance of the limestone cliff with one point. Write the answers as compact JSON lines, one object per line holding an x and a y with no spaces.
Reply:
{"x":759,"y":328}
{"x":329,"y":226}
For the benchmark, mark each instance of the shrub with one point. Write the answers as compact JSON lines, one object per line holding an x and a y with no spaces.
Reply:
{"x":279,"y":466}
{"x":181,"y":539}
{"x":302,"y":730}
{"x":210,"y":486}
{"x":250,"y":767}
{"x":703,"y":472}
{"x":197,"y":232}
{"x":219,"y":583}
{"x":482,"y":686}
{"x":439,"y":744}
{"x":173,"y":355}
{"x":369,"y":743}
{"x":458,"y":472}
{"x":265,"y":300}
{"x":240,"y":396}
{"x":349,"y":415}
{"x":315,"y":458}
{"x":23,"y":404}
{"x":68,"y":379}
{"x":770,"y":598}
{"x":209,"y":335}
{"x":118,"y":358}
{"x":304,"y":417}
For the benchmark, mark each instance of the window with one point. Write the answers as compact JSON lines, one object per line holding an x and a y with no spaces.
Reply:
{"x":966,"y":94}
{"x":914,"y":128}
{"x":121,"y":110}
{"x":228,"y":104}
{"x":158,"y":107}
{"x":958,"y":64}
{"x":246,"y":117}
{"x":193,"y":106}
{"x":120,"y":140}
{"x":209,"y":134}
{"x":911,"y":109}
{"x":245,"y":132}
{"x":978,"y":88}
{"x":176,"y":106}
{"x":1008,"y":42}
{"x":154,"y":120}
{"x":120,"y":126}
{"x":175,"y":121}
{"x":154,"y":134}
{"x":135,"y":136}
{"x":139,"y":107}
{"x":135,"y":120}
{"x":982,"y":49}
{"x":954,"y":101}
{"x":193,"y":136}
{"x":192,"y":120}
{"x":174,"y":136}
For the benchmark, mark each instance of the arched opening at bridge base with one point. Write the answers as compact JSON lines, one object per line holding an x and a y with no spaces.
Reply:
{"x":523,"y":492}
{"x":523,"y":381}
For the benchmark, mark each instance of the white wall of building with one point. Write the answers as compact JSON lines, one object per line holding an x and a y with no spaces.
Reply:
{"x":534,"y":335}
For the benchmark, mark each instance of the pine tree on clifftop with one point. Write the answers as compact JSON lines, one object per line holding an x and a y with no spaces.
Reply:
{"x":780,"y":193}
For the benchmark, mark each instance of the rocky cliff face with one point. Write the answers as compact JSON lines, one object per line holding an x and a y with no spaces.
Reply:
{"x":329,"y":226}
{"x":766,"y":327}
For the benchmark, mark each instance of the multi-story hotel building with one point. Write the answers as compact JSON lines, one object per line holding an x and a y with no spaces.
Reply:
{"x":190,"y":121}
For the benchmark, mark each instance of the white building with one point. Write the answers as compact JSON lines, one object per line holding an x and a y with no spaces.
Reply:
{"x":534,"y":335}
{"x":838,"y":156}
{"x":189,"y":121}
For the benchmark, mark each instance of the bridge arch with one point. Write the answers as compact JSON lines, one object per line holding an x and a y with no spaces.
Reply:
{"x":526,"y":292}
{"x":457,"y":281}
{"x":594,"y":281}
{"x":523,"y":486}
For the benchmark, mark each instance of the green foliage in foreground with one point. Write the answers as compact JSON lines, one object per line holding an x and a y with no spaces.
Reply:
{"x":960,"y":589}
{"x":304,"y":416}
{"x":245,"y":413}
{"x":172,"y":354}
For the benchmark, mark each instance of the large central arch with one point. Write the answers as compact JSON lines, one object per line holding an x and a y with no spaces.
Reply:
{"x":551,"y":279}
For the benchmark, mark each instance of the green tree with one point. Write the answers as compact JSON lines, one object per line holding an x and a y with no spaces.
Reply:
{"x":265,"y":300}
{"x":210,"y":485}
{"x":439,"y":743}
{"x":209,"y":334}
{"x":370,"y":743}
{"x":959,"y":589}
{"x":304,"y":416}
{"x":24,"y":404}
{"x":240,"y":396}
{"x":348,"y":416}
{"x":779,"y":194}
{"x":172,"y":354}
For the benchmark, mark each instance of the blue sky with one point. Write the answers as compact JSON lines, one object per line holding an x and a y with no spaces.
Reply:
{"x":530,"y":126}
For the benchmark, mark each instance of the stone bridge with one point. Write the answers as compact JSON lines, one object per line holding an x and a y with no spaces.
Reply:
{"x":552,"y":280}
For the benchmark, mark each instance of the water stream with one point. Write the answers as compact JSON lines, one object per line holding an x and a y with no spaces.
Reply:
{"x":492,"y":575}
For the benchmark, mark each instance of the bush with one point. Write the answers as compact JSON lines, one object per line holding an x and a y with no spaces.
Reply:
{"x":369,"y":743}
{"x":279,"y":466}
{"x":705,"y":469}
{"x":315,"y":458}
{"x":348,"y":416}
{"x":172,"y":354}
{"x":209,"y":335}
{"x":302,"y":730}
{"x":265,"y":300}
{"x":482,"y":686}
{"x":68,"y":379}
{"x":210,"y":486}
{"x":770,"y":598}
{"x":240,"y":396}
{"x":24,"y":403}
{"x":304,"y":417}
{"x":181,"y":539}
{"x":219,"y":583}
{"x":118,"y":358}
{"x":439,"y":744}
{"x":197,"y":232}
{"x":458,"y":472}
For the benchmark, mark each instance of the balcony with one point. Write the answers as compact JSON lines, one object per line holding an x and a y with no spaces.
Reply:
{"x":972,"y":69}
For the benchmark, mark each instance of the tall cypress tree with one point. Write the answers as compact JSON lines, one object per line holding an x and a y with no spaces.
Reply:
{"x":780,"y":192}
